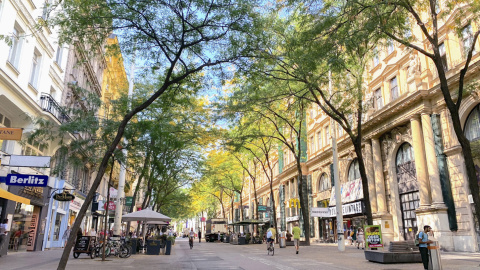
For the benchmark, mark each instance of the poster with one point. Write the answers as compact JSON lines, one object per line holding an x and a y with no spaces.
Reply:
{"x":373,"y":236}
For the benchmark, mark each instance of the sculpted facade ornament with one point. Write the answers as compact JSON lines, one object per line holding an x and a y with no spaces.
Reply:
{"x":394,"y":137}
{"x":413,"y":65}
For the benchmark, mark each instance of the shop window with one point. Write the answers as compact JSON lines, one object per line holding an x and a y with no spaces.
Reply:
{"x":354,"y":171}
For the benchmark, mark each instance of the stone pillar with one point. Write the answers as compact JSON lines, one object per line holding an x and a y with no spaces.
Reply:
{"x":431,"y":159}
{"x":370,"y":175}
{"x":420,"y":161}
{"x":379,"y":180}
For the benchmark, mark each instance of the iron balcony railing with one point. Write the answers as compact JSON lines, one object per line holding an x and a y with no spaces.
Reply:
{"x":49,"y":104}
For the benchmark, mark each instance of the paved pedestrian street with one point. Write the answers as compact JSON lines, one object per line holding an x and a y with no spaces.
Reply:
{"x":205,"y":256}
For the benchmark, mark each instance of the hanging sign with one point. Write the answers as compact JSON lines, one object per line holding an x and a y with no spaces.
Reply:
{"x":111,"y":206}
{"x":27,"y":180}
{"x":319,"y":212}
{"x":65,"y":196}
{"x":294,"y":203}
{"x":14,"y":134}
{"x":128,"y":201}
{"x":373,"y":236}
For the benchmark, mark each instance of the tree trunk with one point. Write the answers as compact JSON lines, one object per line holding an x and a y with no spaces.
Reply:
{"x":303,"y":203}
{"x":273,"y":204}
{"x":357,"y":144}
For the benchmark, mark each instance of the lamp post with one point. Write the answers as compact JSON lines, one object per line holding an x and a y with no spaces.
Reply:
{"x":338,"y":197}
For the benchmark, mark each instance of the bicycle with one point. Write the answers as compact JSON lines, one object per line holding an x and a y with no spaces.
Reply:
{"x":270,"y":247}
{"x":115,"y":247}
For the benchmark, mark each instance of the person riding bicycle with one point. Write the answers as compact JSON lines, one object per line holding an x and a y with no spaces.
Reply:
{"x":191,"y":237}
{"x":271,"y":235}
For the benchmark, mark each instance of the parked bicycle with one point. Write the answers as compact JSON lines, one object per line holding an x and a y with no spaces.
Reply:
{"x":116,"y":247}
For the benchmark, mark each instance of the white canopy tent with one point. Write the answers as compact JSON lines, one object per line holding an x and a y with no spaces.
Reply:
{"x":147,"y":216}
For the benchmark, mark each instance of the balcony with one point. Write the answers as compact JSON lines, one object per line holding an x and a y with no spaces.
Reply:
{"x":48,"y":104}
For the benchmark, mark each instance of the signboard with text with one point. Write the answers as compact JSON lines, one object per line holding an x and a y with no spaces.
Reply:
{"x":14,"y":134}
{"x":319,"y":212}
{"x":27,"y":180}
{"x":373,"y":236}
{"x":128,"y":201}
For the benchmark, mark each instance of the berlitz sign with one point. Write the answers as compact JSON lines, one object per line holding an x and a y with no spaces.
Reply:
{"x":27,"y":180}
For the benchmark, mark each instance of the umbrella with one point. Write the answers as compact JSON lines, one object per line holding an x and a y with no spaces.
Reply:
{"x":156,"y":223}
{"x":145,"y":215}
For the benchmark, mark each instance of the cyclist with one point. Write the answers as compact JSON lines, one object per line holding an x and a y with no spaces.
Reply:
{"x":191,"y":237}
{"x":271,"y":235}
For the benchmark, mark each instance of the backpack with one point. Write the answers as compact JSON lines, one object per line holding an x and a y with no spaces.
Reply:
{"x":417,"y":239}
{"x":269,"y":234}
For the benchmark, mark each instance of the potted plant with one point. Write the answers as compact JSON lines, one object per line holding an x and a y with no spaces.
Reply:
{"x":169,"y":243}
{"x":154,"y":245}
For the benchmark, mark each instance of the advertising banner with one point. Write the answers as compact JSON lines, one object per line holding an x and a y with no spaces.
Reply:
{"x":350,"y":191}
{"x":27,"y":180}
{"x":14,"y":134}
{"x":29,"y":161}
{"x":373,"y":236}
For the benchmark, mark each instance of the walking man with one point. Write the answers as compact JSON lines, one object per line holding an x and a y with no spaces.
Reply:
{"x":66,"y":235}
{"x":199,"y":235}
{"x":423,"y":245}
{"x":296,"y":236}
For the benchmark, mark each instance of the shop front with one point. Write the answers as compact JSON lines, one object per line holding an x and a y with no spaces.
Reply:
{"x":57,"y":219}
{"x":74,"y":209}
{"x":28,"y":221}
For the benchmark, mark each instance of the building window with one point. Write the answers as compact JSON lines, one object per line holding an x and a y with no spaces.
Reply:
{"x":467,"y":40}
{"x":285,"y":158}
{"x":319,"y":138}
{"x":376,"y":59}
{"x":472,"y":125}
{"x":443,"y":55}
{"x":390,"y":46}
{"x":408,"y":189}
{"x":59,"y":55}
{"x":378,"y":100}
{"x":16,"y":46}
{"x":33,"y":148}
{"x":354,"y":171}
{"x":393,"y":89}
{"x":327,"y":135}
{"x":35,"y":69}
{"x":312,"y":144}
{"x":46,"y":10}
{"x":323,"y":183}
{"x":4,"y":122}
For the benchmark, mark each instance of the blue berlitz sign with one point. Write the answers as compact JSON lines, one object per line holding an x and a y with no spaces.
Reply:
{"x":27,"y":180}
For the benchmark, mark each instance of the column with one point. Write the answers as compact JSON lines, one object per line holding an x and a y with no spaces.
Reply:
{"x":370,"y":175}
{"x":420,"y":162}
{"x":379,"y":180}
{"x":431,"y":158}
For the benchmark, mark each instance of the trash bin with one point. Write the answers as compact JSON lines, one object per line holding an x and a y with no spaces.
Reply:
{"x":283,"y":240}
{"x":435,"y":259}
{"x":134,"y":244}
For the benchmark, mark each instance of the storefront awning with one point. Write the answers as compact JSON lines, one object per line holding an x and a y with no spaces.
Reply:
{"x":12,"y":197}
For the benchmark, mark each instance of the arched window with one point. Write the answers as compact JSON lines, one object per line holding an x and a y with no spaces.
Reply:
{"x":472,"y":125}
{"x":323,"y":183}
{"x":408,"y":189}
{"x":354,"y":171}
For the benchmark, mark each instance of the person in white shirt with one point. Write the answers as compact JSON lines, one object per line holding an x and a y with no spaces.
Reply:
{"x":3,"y":233}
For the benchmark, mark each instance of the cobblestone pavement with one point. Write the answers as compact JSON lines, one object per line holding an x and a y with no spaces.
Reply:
{"x":205,"y":256}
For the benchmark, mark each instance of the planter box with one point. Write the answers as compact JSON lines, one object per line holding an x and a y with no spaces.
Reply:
{"x":168,"y":247}
{"x":393,"y":257}
{"x":153,"y":247}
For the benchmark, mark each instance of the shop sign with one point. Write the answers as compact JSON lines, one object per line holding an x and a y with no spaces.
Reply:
{"x":319,"y":212}
{"x":262,"y":208}
{"x":76,"y":204}
{"x":347,"y":209}
{"x":350,"y":191}
{"x":30,"y":161}
{"x":65,"y":196}
{"x":27,"y":180}
{"x":294,"y":203}
{"x":128,"y":201}
{"x":290,"y":219}
{"x":113,"y":192}
{"x":34,"y":191}
{"x":32,"y":229}
{"x":202,"y":219}
{"x":111,"y":206}
{"x":373,"y":236}
{"x":14,"y":134}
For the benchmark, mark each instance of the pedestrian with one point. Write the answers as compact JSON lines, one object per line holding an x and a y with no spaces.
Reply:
{"x":423,"y":244}
{"x":3,"y":234}
{"x":65,"y":236}
{"x":296,"y":236}
{"x":349,"y":237}
{"x":199,"y":235}
{"x":354,"y":235}
{"x":289,"y":236}
{"x":360,"y":238}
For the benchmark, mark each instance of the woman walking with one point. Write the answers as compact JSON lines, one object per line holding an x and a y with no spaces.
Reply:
{"x":360,"y":238}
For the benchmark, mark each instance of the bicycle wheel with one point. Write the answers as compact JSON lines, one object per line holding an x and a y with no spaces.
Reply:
{"x":124,"y":251}
{"x":273,"y":250}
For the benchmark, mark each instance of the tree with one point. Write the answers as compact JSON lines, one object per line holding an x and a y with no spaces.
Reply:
{"x":178,"y":39}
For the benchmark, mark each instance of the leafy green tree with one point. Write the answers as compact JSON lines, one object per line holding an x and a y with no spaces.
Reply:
{"x":179,"y":39}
